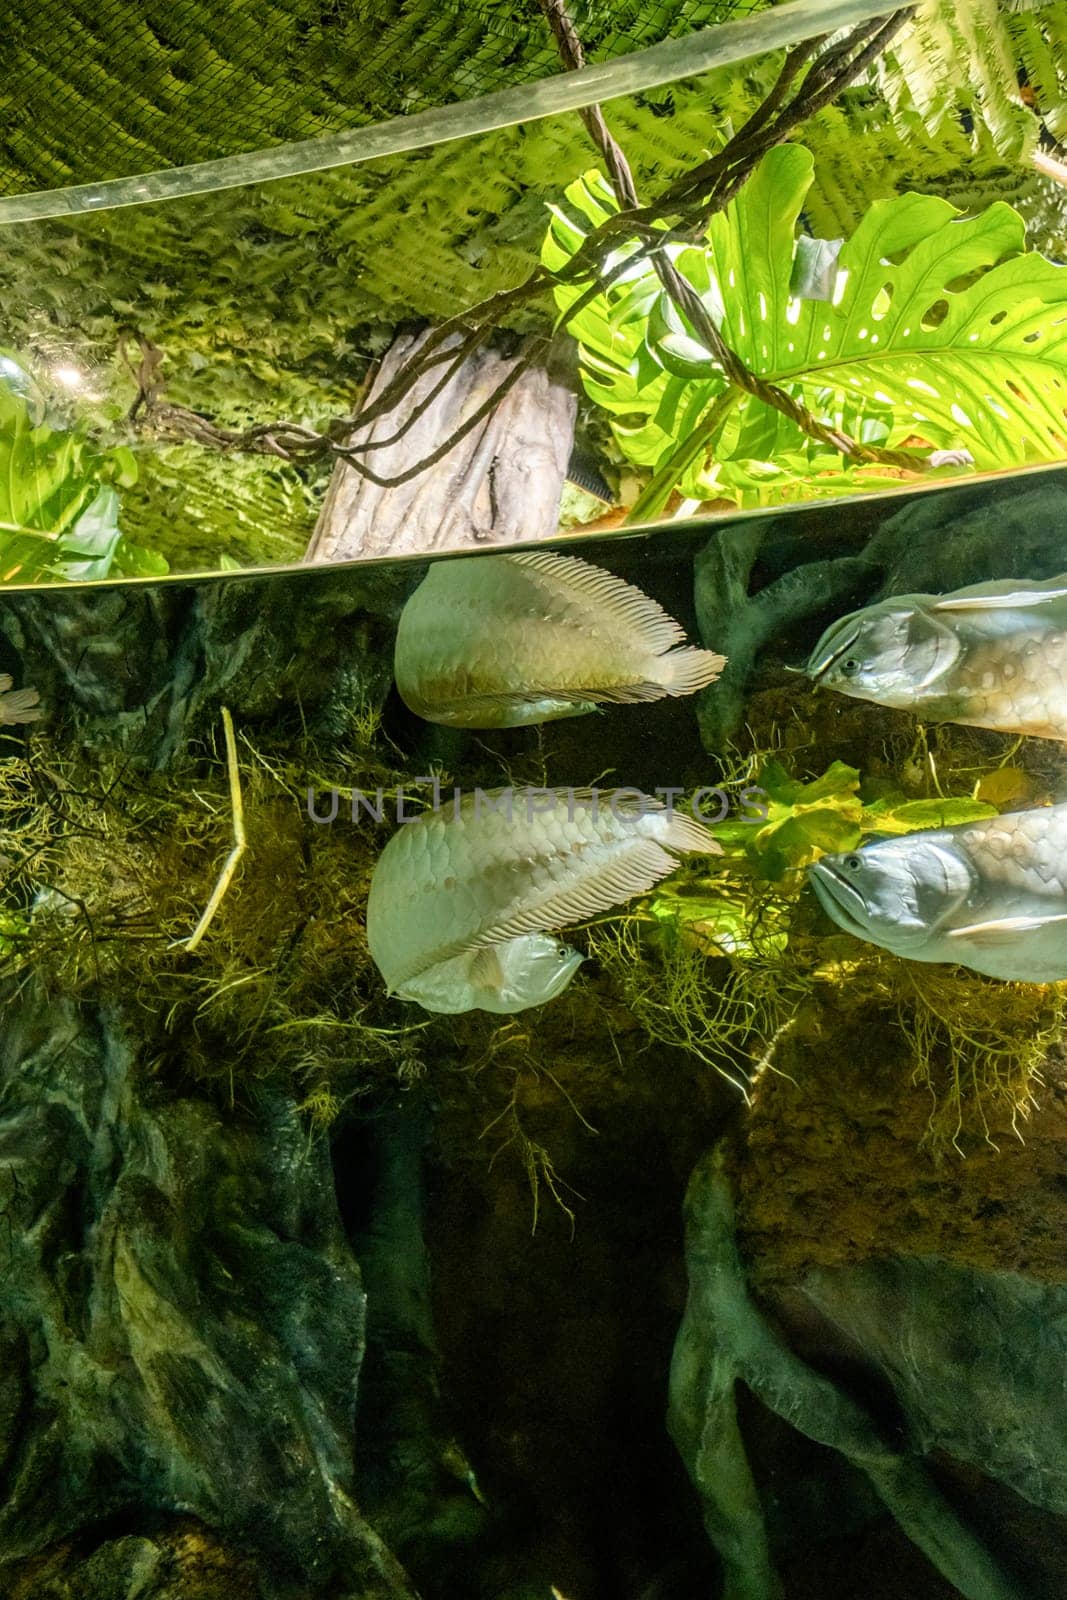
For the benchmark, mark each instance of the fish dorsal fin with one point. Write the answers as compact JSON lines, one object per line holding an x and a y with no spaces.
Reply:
{"x":573,"y":885}
{"x":994,"y":597}
{"x":999,"y":925}
{"x":632,"y":870}
{"x":616,"y":601}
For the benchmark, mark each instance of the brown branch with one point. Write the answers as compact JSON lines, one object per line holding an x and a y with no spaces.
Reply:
{"x":830,"y":72}
{"x":691,"y":200}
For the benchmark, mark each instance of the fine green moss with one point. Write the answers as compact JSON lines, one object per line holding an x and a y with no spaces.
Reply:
{"x":108,"y":869}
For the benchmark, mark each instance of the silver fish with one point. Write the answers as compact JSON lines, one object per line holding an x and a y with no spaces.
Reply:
{"x":462,"y":901}
{"x":502,"y":641}
{"x":18,"y":705}
{"x":993,"y":655}
{"x":990,"y":895}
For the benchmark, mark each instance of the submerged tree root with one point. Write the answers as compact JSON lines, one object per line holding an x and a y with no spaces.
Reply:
{"x":725,"y":1339}
{"x":976,"y":1044}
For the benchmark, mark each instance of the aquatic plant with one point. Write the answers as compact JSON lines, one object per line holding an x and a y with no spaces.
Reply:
{"x":511,"y":1050}
{"x":723,"y":963}
{"x":107,"y":872}
{"x":728,"y":1008}
{"x":978,"y":1047}
{"x":926,"y":328}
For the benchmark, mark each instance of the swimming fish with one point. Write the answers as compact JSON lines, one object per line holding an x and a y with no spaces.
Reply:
{"x":505,"y":640}
{"x":993,"y":655}
{"x":463,"y":900}
{"x":991,"y":895}
{"x":18,"y":705}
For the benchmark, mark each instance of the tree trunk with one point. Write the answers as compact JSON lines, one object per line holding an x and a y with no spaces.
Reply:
{"x":500,"y":485}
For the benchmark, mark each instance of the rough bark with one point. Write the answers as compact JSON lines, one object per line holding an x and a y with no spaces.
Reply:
{"x":500,"y":485}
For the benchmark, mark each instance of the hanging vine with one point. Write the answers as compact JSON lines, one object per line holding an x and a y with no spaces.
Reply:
{"x":812,"y":75}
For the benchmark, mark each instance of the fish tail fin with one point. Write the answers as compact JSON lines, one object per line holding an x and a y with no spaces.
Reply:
{"x":686,"y":670}
{"x":20,"y":705}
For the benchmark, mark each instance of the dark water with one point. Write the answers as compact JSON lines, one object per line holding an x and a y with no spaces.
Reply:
{"x":214,"y":1156}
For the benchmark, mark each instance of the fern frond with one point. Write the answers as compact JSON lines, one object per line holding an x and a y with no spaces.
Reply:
{"x":956,"y":60}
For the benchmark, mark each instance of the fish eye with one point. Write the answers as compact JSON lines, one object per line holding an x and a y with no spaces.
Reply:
{"x":852,"y":863}
{"x":850,"y":666}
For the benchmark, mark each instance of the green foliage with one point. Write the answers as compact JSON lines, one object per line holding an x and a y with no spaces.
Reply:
{"x":938,"y":326}
{"x":832,"y":813}
{"x":58,"y":502}
{"x":744,"y":906}
{"x":952,"y":57}
{"x":112,"y":88}
{"x":273,"y":301}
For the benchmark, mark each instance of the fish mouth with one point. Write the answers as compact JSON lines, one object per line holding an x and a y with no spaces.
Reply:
{"x":829,"y":651}
{"x":838,"y":898}
{"x":569,"y":962}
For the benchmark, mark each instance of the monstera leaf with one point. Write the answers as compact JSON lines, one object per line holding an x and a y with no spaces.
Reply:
{"x":939,"y":327}
{"x":58,"y":504}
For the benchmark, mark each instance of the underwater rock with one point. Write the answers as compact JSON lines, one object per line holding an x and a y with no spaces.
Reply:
{"x":98,"y":656}
{"x":147,"y":669}
{"x":929,"y":1290}
{"x":726,"y":1340}
{"x":504,"y":641}
{"x":181,"y":1319}
{"x":744,"y":624}
{"x":182,"y":1561}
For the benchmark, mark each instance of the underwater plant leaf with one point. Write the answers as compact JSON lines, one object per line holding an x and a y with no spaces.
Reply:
{"x":838,"y":781}
{"x":831,"y":813}
{"x":939,"y":327}
{"x":939,"y":813}
{"x":804,"y":820}
{"x":786,"y":845}
{"x":1006,"y":787}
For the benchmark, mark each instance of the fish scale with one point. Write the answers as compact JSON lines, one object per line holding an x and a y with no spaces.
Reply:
{"x":485,"y":875}
{"x":1021,"y":679}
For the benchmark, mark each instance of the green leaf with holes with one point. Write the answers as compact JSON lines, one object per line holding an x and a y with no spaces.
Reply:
{"x":939,"y":327}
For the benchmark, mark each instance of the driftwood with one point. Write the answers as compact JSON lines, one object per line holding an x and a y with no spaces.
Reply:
{"x":500,"y":485}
